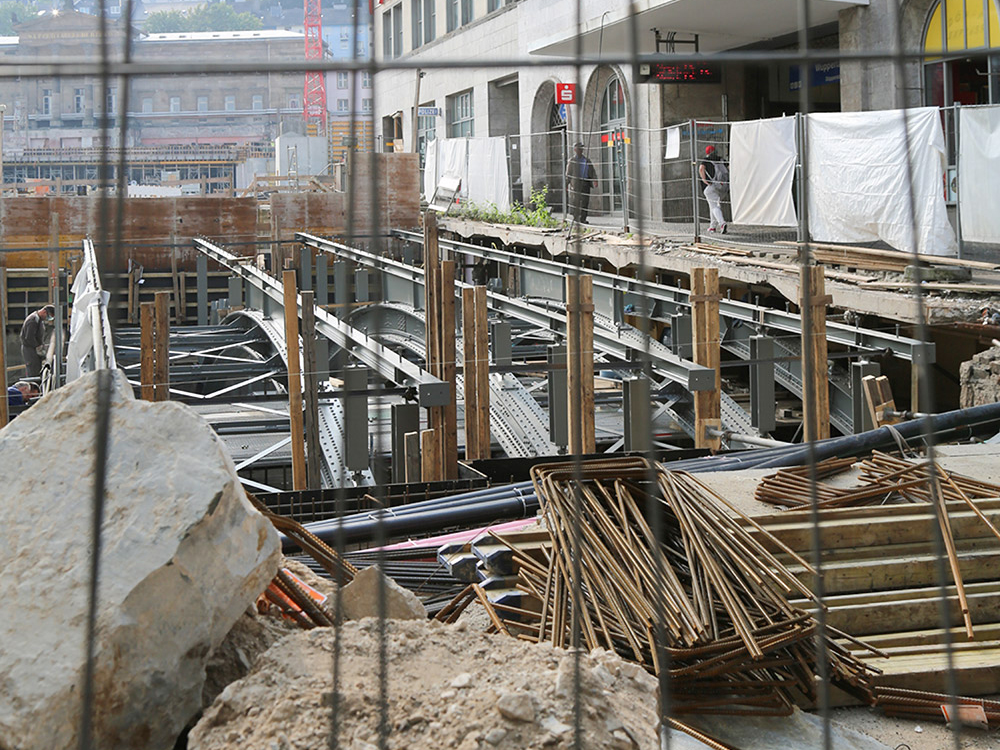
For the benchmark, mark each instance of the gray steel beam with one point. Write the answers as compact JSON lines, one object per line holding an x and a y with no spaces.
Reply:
{"x":762,"y":383}
{"x":673,"y":299}
{"x":430,"y":390}
{"x":558,"y":397}
{"x":636,"y":405}
{"x":201,"y":267}
{"x":616,"y":341}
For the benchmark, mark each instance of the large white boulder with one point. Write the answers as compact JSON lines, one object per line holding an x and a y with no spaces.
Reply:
{"x":183,"y":553}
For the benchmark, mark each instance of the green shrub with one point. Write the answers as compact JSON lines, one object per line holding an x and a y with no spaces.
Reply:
{"x":538,"y":215}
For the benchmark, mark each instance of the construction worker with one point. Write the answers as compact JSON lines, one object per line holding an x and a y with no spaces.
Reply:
{"x":21,"y":393}
{"x":33,"y":339}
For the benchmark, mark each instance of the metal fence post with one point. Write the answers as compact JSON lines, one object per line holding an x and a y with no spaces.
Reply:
{"x":694,"y":180}
{"x":957,"y":125}
{"x":800,"y":138}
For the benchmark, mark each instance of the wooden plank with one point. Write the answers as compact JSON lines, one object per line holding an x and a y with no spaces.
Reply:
{"x":885,"y":530}
{"x":882,"y":613}
{"x":147,"y":350}
{"x":430,"y":458}
{"x":314,"y":451}
{"x":706,"y":346}
{"x":936,"y":286}
{"x":816,"y":395}
{"x":449,"y":454}
{"x":894,"y":254}
{"x":469,"y":371}
{"x":587,"y":363}
{"x":482,"y":372}
{"x":875,"y":572}
{"x":294,"y":380}
{"x":411,"y":452}
{"x":580,"y":362}
{"x":161,"y":343}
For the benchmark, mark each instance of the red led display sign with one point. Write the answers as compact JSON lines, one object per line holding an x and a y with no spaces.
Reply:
{"x":679,"y":73}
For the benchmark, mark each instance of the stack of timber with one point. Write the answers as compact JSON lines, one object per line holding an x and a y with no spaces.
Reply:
{"x":881,"y":572}
{"x":628,"y":540}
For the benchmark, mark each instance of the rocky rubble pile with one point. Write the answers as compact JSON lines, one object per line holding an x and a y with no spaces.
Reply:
{"x":448,"y":687}
{"x":183,"y":554}
{"x":980,"y":378}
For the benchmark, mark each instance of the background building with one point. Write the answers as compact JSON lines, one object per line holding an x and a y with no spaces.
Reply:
{"x":520,"y":103}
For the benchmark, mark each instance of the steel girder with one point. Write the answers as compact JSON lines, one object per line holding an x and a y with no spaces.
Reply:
{"x":332,"y":422}
{"x":517,"y":422}
{"x":430,"y":390}
{"x":615,"y":339}
{"x":617,"y":342}
{"x":675,"y":299}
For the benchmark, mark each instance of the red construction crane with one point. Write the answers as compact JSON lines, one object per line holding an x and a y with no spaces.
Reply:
{"x":314,"y":94}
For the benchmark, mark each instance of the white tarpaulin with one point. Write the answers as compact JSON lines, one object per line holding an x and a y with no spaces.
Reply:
{"x":481,"y":163}
{"x":447,"y":156}
{"x":858,"y":188}
{"x":761,"y":167}
{"x":430,"y":169}
{"x":979,"y":173}
{"x":81,"y":339}
{"x":487,"y":173}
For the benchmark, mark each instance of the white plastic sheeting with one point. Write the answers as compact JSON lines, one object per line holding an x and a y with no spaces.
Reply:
{"x":979,"y":173}
{"x":487,"y":172}
{"x":858,"y":189}
{"x":480,"y":162}
{"x":79,"y":352}
{"x":762,"y":156}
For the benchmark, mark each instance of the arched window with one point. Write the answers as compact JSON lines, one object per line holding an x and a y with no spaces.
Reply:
{"x":614,"y":120}
{"x":957,"y":68}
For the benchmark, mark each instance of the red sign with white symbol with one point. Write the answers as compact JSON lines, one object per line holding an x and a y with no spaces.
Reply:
{"x":565,"y":93}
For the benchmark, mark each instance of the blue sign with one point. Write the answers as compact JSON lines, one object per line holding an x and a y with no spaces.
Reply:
{"x":428,"y":111}
{"x":820,"y":74}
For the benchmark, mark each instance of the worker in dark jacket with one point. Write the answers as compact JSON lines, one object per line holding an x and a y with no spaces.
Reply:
{"x":33,"y":339}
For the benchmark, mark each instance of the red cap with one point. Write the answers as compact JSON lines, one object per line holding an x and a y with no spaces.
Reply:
{"x":709,"y":150}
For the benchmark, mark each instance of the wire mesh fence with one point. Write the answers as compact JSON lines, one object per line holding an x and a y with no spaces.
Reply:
{"x":726,"y":612}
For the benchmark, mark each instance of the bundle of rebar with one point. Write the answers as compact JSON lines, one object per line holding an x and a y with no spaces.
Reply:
{"x":883,"y":477}
{"x":917,"y":704}
{"x":653,"y":565}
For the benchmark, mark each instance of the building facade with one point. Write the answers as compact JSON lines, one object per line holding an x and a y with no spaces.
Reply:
{"x":616,"y":103}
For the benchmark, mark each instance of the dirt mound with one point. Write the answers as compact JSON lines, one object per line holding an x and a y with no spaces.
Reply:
{"x":448,"y":687}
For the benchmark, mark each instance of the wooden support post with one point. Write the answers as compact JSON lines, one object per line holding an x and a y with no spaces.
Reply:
{"x":147,"y":350}
{"x":161,"y":358}
{"x":816,"y":396}
{"x":482,"y":372}
{"x":580,"y":362}
{"x":430,"y":456}
{"x":705,"y":334}
{"x":411,"y":452}
{"x":469,"y":373}
{"x":4,"y":414}
{"x":449,"y":453}
{"x":294,"y":381}
{"x":313,"y":449}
